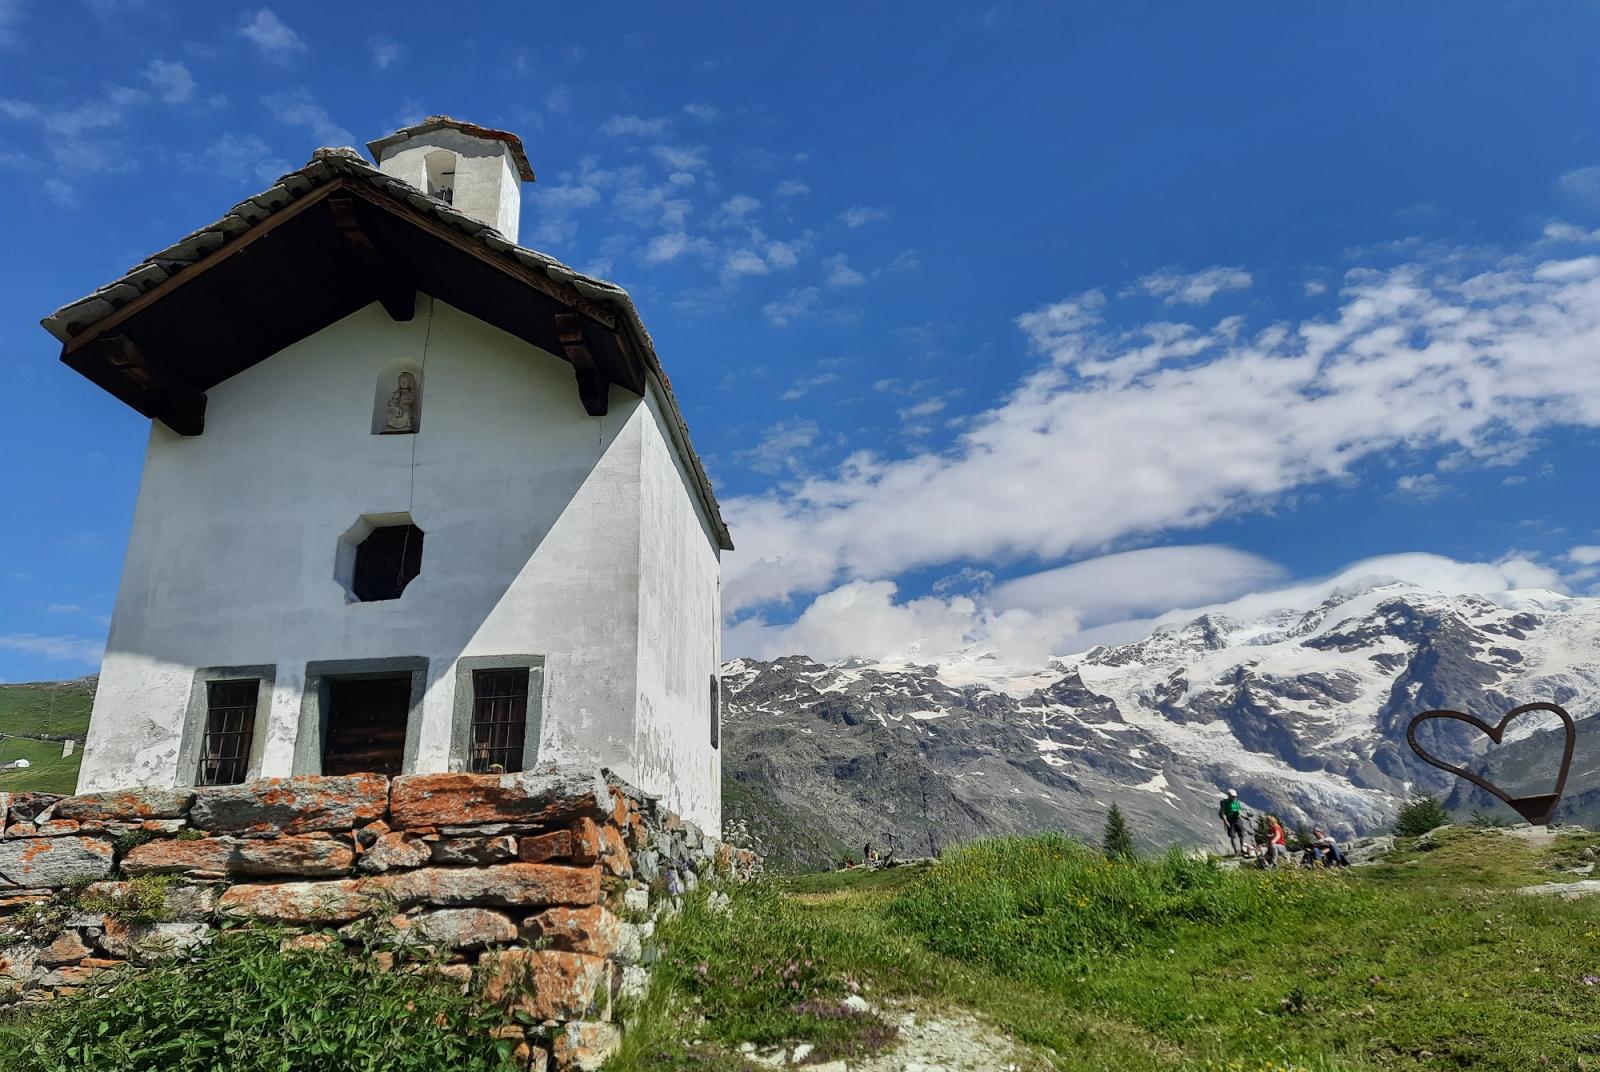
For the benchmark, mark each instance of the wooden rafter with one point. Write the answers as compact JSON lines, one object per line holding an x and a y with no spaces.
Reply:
{"x":395,"y":292}
{"x":594,"y":389}
{"x":157,"y":393}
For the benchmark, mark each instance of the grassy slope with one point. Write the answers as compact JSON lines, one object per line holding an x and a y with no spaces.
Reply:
{"x":1429,"y":962}
{"x":57,"y":707}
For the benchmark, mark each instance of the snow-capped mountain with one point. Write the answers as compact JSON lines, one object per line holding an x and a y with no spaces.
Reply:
{"x":1303,"y":711}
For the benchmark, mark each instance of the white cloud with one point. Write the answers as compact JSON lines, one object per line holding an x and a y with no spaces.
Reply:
{"x":297,"y":108}
{"x":1582,"y":182}
{"x":792,"y":188}
{"x":10,"y":23}
{"x":680,"y":157}
{"x":840,"y":274}
{"x":859,"y":215}
{"x":782,"y":255}
{"x":806,"y":384}
{"x":1112,"y":599}
{"x":1562,"y":231}
{"x":633,"y":126}
{"x":740,"y":205}
{"x":386,"y":52}
{"x":705,"y":113}
{"x":65,"y":649}
{"x":61,"y":192}
{"x":63,"y":608}
{"x":744,"y":262}
{"x":1313,"y":287}
{"x":242,"y":158}
{"x":1171,"y":426}
{"x":792,"y":306}
{"x":921,"y":410}
{"x":172,"y":81}
{"x":780,"y":447}
{"x":559,"y":100}
{"x":1587,"y":555}
{"x":668,"y":247}
{"x":1194,"y":288}
{"x":272,"y":35}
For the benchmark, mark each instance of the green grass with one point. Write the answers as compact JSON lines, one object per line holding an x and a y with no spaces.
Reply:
{"x":53,"y":707}
{"x":1430,"y":962}
{"x":243,"y":1005}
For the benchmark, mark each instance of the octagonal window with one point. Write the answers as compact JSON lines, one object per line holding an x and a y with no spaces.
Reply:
{"x":378,"y":557}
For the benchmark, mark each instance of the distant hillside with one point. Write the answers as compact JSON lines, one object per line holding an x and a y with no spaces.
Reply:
{"x":34,"y":718}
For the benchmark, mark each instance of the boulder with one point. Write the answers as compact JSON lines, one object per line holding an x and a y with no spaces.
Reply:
{"x":290,"y":805}
{"x":592,"y":929}
{"x":556,"y":845}
{"x":127,"y":805}
{"x":463,"y":928}
{"x":54,"y":862}
{"x":544,"y":984}
{"x":396,"y":851}
{"x":550,"y":794}
{"x":584,"y":1047}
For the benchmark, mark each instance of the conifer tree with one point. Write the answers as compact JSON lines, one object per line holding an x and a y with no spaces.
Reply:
{"x":1118,"y":842}
{"x":1302,"y":836}
{"x":1263,"y":829}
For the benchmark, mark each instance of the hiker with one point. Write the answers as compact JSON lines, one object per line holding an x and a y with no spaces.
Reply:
{"x":1231,"y":812}
{"x":1277,"y":845}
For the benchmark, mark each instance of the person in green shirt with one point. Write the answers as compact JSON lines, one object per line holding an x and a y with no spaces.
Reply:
{"x":1231,"y":812}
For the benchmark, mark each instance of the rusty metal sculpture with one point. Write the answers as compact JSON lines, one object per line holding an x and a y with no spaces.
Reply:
{"x":1537,"y":809}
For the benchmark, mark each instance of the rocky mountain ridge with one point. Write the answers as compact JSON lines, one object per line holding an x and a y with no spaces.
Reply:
{"x":1303,"y":710}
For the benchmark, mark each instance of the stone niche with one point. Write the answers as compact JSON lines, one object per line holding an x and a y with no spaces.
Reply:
{"x":540,"y":889}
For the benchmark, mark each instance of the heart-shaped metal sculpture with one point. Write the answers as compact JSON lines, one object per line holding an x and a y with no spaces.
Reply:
{"x":1536,"y":809}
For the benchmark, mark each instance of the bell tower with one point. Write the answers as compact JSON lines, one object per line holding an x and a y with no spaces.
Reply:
{"x":477,"y":170}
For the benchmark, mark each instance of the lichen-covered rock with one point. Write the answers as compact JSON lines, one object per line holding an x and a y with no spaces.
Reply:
{"x":395,"y":851}
{"x":556,"y":845}
{"x":339,"y":901}
{"x":549,"y":794}
{"x":290,"y":805}
{"x":476,"y":851}
{"x":584,"y":1047}
{"x":593,"y":930}
{"x":463,"y":928}
{"x":300,"y":856}
{"x":504,"y":885}
{"x":544,"y":984}
{"x":54,"y":862}
{"x":30,"y":807}
{"x":67,"y":948}
{"x":151,"y":942}
{"x":126,"y":805}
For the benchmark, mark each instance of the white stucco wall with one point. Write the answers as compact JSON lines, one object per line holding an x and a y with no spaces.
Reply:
{"x":680,"y":614}
{"x":539,"y":519}
{"x":488,"y":187}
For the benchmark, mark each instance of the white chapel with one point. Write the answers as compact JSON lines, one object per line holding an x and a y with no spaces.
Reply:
{"x":415,"y":499}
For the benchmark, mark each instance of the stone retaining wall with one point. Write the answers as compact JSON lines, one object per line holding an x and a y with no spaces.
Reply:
{"x":540,"y":889}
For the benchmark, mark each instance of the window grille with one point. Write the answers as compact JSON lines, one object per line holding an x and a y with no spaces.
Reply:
{"x":386,"y":561}
{"x":230,"y":731}
{"x":716,"y":711}
{"x":499,"y":719}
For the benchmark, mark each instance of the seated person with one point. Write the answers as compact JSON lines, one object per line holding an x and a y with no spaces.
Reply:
{"x":1326,"y":850}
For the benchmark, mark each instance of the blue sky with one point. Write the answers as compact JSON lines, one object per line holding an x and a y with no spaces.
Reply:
{"x":969,"y":307}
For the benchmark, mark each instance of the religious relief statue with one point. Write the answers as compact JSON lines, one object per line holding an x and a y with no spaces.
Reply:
{"x":403,"y":405}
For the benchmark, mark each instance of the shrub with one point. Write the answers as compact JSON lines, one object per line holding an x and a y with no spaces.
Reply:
{"x":1041,"y":906}
{"x":245,"y":1005}
{"x":1118,"y":843}
{"x":1419,"y":816}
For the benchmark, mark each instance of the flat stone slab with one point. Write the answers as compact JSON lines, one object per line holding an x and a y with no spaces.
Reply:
{"x":126,"y":805}
{"x":290,"y":805}
{"x":502,"y":886}
{"x":550,"y":794}
{"x":1569,"y":891}
{"x":54,"y":862}
{"x":302,"y":856}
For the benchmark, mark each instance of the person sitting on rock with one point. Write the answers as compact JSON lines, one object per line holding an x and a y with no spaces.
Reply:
{"x":1326,"y":850}
{"x":1277,"y":843}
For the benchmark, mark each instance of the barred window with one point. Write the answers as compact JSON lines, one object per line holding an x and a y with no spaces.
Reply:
{"x":499,"y":719}
{"x":716,"y":711}
{"x":230,"y":731}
